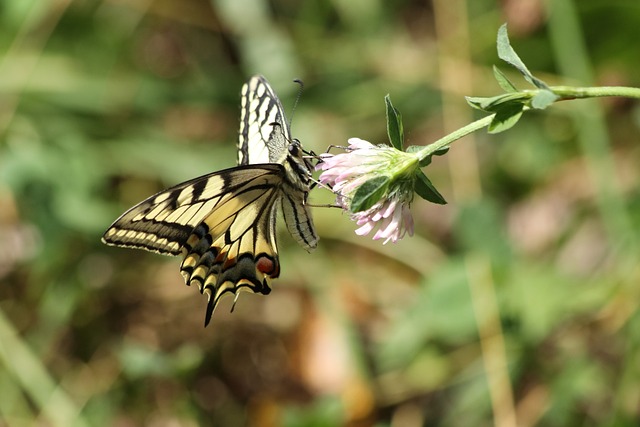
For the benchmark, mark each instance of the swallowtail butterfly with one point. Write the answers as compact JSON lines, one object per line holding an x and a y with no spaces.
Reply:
{"x":224,"y":224}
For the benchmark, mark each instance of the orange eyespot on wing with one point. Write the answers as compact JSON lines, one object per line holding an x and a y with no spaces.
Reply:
{"x":267,"y":265}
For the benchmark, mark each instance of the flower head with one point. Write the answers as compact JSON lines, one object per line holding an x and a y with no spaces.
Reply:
{"x":389,"y":176}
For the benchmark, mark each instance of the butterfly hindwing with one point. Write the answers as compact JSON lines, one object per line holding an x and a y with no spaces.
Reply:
{"x":222,"y":223}
{"x":297,"y":217}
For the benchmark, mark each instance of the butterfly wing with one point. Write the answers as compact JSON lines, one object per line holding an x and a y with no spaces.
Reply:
{"x":264,"y":133}
{"x":264,"y":137}
{"x":222,"y":223}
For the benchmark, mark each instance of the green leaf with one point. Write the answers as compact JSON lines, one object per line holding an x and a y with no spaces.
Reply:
{"x":394,"y":125}
{"x":480,"y":102}
{"x":543,"y":99}
{"x":503,"y":81}
{"x":483,"y":103}
{"x":425,"y":189}
{"x":494,"y":103}
{"x":441,"y":152}
{"x":427,"y":160}
{"x":506,"y":117}
{"x":507,"y":54}
{"x":369,"y":193}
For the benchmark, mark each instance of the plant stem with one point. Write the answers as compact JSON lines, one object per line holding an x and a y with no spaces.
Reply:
{"x":564,"y":92}
{"x":448,"y":139}
{"x":569,"y":92}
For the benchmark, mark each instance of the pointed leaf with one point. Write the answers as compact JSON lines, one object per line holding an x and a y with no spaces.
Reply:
{"x":503,"y":81}
{"x":494,"y":103}
{"x":425,"y":189}
{"x":506,"y":117}
{"x":484,"y":103}
{"x":427,"y":160}
{"x":477,"y":102}
{"x":507,"y":54}
{"x":543,"y":99}
{"x":369,"y":193}
{"x":394,"y":125}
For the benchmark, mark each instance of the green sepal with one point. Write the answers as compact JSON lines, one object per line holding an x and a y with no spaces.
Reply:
{"x":394,"y":125}
{"x":425,"y":189}
{"x":369,"y":193}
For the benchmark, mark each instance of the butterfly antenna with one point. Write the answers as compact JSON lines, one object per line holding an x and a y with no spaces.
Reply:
{"x":295,"y":104}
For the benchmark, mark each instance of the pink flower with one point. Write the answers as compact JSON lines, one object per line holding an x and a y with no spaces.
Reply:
{"x":362,"y":161}
{"x":392,"y":218}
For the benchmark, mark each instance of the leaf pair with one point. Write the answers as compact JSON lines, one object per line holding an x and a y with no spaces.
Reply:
{"x":509,"y":106}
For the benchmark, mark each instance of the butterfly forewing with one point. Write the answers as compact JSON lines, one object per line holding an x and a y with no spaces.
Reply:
{"x":260,"y":114}
{"x":224,"y":223}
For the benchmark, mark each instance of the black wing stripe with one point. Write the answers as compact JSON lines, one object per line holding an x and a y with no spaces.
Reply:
{"x":300,"y":226}
{"x":198,"y":188}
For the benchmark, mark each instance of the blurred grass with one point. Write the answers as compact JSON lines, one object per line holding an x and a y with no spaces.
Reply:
{"x":104,"y":103}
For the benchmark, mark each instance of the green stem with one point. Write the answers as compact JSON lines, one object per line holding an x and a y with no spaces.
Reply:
{"x":569,"y":92}
{"x":448,"y":139}
{"x":564,"y":92}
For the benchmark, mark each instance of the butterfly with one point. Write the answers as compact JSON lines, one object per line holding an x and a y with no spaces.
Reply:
{"x":224,"y":224}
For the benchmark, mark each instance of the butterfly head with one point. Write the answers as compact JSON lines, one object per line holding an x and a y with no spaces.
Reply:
{"x":295,"y":148}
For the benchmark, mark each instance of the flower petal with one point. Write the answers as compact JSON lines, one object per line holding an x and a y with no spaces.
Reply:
{"x":408,"y":219}
{"x":365,"y":229}
{"x":359,"y":144}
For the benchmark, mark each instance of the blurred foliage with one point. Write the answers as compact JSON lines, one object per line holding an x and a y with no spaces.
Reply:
{"x":518,"y":304}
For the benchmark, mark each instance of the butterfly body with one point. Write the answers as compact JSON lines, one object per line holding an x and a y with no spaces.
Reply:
{"x":224,"y":224}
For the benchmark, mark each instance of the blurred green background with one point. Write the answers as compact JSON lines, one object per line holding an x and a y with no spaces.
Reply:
{"x":515,"y":304}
